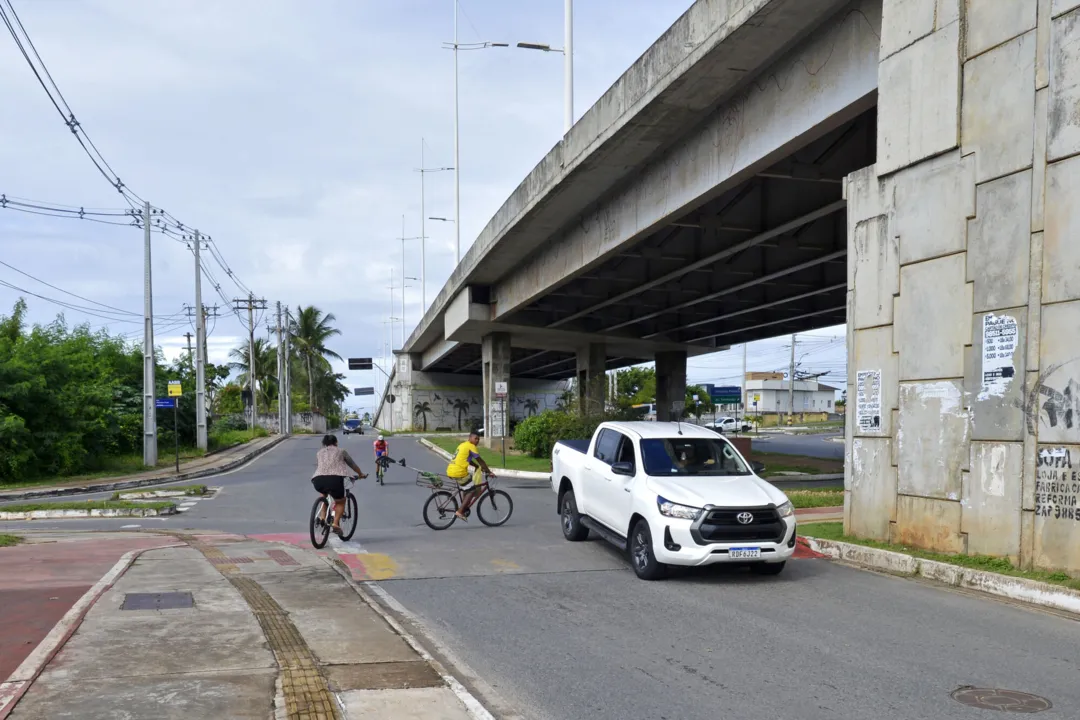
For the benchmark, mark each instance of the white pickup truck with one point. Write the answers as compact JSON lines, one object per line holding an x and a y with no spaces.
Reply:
{"x":671,"y":494}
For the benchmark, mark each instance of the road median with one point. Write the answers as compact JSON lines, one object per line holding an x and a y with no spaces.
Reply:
{"x":98,"y":509}
{"x":229,"y":460}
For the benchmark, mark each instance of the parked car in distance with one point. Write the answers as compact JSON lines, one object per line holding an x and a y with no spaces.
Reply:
{"x":671,"y":494}
{"x":353,"y":427}
{"x":729,"y":424}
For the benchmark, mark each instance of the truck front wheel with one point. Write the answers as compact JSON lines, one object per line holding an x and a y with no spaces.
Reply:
{"x":646,"y":566}
{"x":572,"y":529}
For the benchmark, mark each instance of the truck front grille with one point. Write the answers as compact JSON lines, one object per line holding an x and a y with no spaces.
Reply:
{"x":721,"y":525}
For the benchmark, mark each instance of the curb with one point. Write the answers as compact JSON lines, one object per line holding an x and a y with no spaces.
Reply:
{"x":501,"y":472}
{"x":12,"y":689}
{"x":1031,"y":592}
{"x":795,"y":479}
{"x":92,"y":513}
{"x":473,"y":706}
{"x":127,"y":484}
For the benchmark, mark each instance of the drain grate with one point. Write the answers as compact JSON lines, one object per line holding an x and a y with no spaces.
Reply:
{"x":158,"y":601}
{"x":1002,"y":700}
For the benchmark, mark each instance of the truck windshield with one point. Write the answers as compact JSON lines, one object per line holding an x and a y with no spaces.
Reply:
{"x":674,"y":457}
{"x":352,"y":423}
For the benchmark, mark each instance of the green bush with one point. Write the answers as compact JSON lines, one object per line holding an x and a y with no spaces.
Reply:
{"x":538,"y":434}
{"x":222,"y":439}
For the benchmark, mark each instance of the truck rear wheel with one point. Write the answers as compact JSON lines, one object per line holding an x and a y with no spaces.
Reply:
{"x":642,"y":557}
{"x":572,"y":529}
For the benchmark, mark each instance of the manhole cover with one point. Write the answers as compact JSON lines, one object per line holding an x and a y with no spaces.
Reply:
{"x":158,"y":601}
{"x":1002,"y":700}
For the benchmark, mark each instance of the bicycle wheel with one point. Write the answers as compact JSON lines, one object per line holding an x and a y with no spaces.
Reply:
{"x":494,"y":508}
{"x":439,"y":510}
{"x":349,"y":520}
{"x":381,"y":474}
{"x":320,"y":529}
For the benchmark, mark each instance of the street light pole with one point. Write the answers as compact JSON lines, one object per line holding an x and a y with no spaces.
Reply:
{"x":423,"y":226}
{"x":457,"y":157}
{"x":568,"y":64}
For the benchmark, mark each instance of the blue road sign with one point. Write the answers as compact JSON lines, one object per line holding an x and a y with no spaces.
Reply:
{"x":165,"y":403}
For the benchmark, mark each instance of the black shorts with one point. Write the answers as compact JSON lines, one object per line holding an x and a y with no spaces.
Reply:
{"x":332,"y":485}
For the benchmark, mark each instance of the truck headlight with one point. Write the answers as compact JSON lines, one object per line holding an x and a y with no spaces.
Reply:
{"x":674,"y":510}
{"x":786,"y":510}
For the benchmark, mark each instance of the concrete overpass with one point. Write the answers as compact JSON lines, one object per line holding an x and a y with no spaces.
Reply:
{"x":770,"y":166}
{"x":698,"y":204}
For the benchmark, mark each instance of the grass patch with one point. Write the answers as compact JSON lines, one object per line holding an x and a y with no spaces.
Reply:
{"x":1002,"y":566}
{"x":777,"y":464}
{"x":514,"y":459}
{"x":190,"y":490}
{"x":119,"y":466}
{"x":815,"y":498}
{"x":226,"y":439}
{"x":9,"y":540}
{"x":87,"y":505}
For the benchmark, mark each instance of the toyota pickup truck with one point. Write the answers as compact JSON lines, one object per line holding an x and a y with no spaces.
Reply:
{"x":668,"y":494}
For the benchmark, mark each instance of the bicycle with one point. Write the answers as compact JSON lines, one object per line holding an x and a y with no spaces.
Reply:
{"x":440,"y":510}
{"x":320,"y":528}
{"x":381,"y":464}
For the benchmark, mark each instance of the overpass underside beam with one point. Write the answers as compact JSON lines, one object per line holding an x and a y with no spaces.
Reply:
{"x":964,"y":294}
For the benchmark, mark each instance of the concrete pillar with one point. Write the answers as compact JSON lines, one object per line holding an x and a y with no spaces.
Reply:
{"x":496,"y":369}
{"x":964,"y":295}
{"x":591,"y":364}
{"x":670,"y":383}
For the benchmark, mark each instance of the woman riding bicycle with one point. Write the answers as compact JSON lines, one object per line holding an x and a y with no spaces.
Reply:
{"x":460,"y":469}
{"x":333,"y":465}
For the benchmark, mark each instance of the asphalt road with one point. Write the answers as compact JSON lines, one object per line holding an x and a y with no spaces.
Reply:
{"x":559,"y":631}
{"x":819,"y":446}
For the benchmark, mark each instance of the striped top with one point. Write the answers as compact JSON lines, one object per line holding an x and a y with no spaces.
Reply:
{"x":332,"y":460}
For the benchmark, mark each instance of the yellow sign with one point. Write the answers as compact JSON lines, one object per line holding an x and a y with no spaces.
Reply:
{"x":757,"y":397}
{"x":175,"y":389}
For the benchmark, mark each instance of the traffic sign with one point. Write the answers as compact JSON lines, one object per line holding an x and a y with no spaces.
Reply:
{"x":501,"y":389}
{"x":165,"y":402}
{"x":175,"y":389}
{"x":360,"y":364}
{"x":364,"y":391}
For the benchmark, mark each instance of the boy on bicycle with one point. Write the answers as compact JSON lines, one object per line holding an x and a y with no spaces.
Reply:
{"x":382,"y":448}
{"x":461,"y":470}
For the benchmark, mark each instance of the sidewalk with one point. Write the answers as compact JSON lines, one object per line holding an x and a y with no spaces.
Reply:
{"x":223,"y":626}
{"x":189,"y":470}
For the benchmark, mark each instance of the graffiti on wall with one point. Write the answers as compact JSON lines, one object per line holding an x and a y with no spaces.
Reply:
{"x":463,"y":410}
{"x":1053,"y":400}
{"x":1057,"y":485}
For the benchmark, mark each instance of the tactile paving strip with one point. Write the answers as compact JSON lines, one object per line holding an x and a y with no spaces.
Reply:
{"x":307,"y":695}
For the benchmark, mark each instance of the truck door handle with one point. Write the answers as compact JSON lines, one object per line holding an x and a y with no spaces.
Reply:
{"x":626,"y":489}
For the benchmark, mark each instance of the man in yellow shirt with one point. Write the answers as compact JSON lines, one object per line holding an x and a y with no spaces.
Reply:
{"x":461,"y":469}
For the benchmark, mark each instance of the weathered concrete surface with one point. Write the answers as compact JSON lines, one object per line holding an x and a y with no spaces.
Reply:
{"x":870,"y":500}
{"x":930,"y":523}
{"x":942,"y":190}
{"x":994,"y":407}
{"x":932,"y":439}
{"x":411,"y":704}
{"x":991,"y":499}
{"x":999,"y":243}
{"x":991,"y":23}
{"x":935,"y":302}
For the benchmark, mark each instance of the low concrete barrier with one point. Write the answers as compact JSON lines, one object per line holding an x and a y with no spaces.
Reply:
{"x":501,"y":472}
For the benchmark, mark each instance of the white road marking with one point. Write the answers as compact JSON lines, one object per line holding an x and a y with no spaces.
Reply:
{"x":129,"y":527}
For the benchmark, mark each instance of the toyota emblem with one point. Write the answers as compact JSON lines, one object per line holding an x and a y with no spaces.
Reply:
{"x":744,"y":518}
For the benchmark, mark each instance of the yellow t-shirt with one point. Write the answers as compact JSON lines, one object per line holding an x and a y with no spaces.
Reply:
{"x":459,"y":466}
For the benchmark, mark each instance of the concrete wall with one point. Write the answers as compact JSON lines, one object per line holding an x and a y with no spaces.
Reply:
{"x":964,"y":285}
{"x":312,"y":422}
{"x":455,"y":402}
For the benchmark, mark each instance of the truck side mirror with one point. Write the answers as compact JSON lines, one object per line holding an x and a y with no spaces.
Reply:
{"x":623,"y":468}
{"x":758,"y":467}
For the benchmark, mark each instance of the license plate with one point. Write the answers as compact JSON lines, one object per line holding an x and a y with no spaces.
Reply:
{"x":744,"y":553}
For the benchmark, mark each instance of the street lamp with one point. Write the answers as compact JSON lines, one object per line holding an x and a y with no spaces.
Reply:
{"x":423,"y":235}
{"x":568,"y":61}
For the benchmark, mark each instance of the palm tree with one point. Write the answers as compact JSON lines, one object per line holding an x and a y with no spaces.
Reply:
{"x":531,"y":406}
{"x":309,"y":332}
{"x":328,"y":386}
{"x":265,"y":369}
{"x":460,"y":407}
{"x":422,"y":409}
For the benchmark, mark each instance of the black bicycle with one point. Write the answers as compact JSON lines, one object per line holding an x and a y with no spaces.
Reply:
{"x":381,"y":464}
{"x":322,"y":516}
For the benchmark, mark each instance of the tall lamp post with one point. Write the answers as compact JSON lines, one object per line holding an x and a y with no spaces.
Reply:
{"x":423,"y":235}
{"x":568,"y":62}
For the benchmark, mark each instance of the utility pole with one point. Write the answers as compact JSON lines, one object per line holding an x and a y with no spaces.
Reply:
{"x":251,"y":303}
{"x":150,"y":449}
{"x":457,"y":154}
{"x":280,"y":374}
{"x":201,"y":439}
{"x":423,"y":226}
{"x":190,"y":352}
{"x":287,"y":426}
{"x":742,"y":382}
{"x":791,"y":381}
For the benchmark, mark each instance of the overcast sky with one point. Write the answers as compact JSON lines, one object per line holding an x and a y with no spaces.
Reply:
{"x":290,"y":132}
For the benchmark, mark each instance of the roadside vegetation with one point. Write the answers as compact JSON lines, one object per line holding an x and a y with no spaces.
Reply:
{"x":777,"y":464}
{"x":815,"y":498}
{"x":1002,"y":566}
{"x":514,"y":460}
{"x":9,"y":540}
{"x":71,"y":397}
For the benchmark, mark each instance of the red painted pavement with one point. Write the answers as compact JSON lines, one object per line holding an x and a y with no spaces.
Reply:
{"x":40,"y":582}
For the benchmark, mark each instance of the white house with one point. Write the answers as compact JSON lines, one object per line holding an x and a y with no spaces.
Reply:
{"x":771,"y":396}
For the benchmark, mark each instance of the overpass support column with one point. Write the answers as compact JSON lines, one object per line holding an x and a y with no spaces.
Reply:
{"x":496,"y":368}
{"x":591,"y":366}
{"x":670,"y":383}
{"x":963,"y":288}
